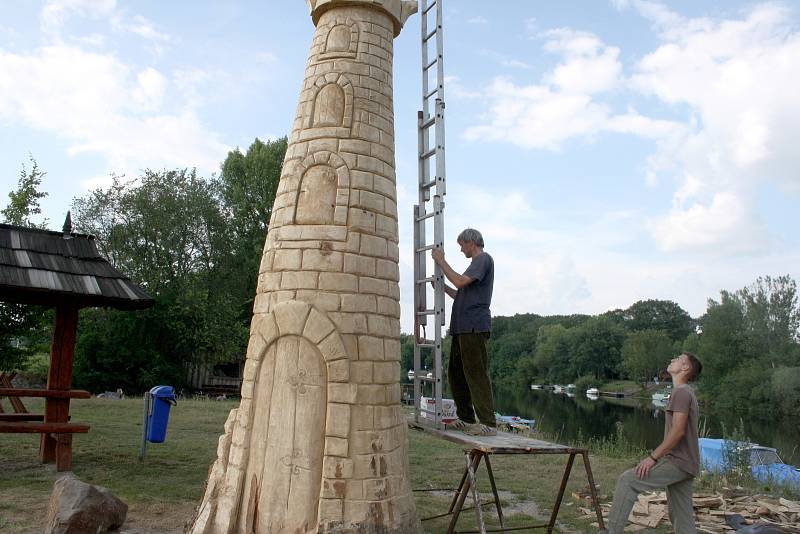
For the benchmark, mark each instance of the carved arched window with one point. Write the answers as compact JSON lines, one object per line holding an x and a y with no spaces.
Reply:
{"x":323,"y":194}
{"x":329,"y":106}
{"x":341,"y":40}
{"x":330,"y":111}
{"x":338,"y":39}
{"x":316,"y":196}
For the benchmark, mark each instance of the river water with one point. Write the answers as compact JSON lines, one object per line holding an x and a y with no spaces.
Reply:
{"x":642,"y":421}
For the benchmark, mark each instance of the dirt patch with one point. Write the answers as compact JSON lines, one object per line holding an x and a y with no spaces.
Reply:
{"x":158,"y":518}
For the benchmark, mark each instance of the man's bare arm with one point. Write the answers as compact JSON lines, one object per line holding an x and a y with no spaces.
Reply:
{"x":458,"y":280}
{"x":450,"y":291}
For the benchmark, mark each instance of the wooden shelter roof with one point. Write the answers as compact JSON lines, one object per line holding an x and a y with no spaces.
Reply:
{"x":46,"y":267}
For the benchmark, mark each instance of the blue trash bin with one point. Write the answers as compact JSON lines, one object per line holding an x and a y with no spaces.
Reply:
{"x":162,"y":399}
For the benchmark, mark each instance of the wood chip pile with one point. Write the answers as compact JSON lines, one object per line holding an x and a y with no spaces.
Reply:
{"x":711,"y":510}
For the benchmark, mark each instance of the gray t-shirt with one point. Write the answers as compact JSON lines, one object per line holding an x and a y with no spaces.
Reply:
{"x":471,"y":306}
{"x":686,"y":454}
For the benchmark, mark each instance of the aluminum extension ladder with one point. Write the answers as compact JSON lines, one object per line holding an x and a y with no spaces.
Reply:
{"x":429,"y":320}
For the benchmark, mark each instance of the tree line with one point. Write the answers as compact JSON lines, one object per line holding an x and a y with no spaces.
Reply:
{"x":748,"y":341}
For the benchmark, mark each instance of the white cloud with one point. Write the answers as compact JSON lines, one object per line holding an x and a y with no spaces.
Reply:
{"x":734,"y":80}
{"x":55,"y":13}
{"x":98,"y":104}
{"x":727,"y":225}
{"x":506,"y":61}
{"x":564,"y":105}
{"x":538,"y":116}
{"x":478,"y":20}
{"x":739,"y":80}
{"x":589,"y":66}
{"x":151,"y":87}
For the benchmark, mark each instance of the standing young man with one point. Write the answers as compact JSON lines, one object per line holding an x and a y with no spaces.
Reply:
{"x":673,"y":464}
{"x":470,"y":324}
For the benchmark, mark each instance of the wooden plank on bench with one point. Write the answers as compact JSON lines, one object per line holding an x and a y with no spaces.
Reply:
{"x":24,"y":427}
{"x":21,"y":417}
{"x":47,"y":393}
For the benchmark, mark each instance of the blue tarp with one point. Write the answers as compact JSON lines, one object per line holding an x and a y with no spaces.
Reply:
{"x":765,"y":464}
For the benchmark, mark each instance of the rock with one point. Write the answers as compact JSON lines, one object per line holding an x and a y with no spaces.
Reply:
{"x":79,"y":508}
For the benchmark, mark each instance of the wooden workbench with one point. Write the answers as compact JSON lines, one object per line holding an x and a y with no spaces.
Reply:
{"x":480,"y":448}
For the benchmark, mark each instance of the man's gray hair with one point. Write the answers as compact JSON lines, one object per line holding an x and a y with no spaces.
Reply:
{"x":471,"y":234}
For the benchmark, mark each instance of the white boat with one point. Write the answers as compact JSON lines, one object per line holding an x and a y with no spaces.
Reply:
{"x":536,"y":386}
{"x":558,"y":389}
{"x":592,"y":391}
{"x":570,"y":386}
{"x":661,"y":396}
{"x":411,"y":374}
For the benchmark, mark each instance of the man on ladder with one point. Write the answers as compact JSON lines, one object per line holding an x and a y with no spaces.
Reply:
{"x":470,"y":325}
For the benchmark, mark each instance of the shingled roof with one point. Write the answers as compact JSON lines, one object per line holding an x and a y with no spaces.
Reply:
{"x":46,"y":267}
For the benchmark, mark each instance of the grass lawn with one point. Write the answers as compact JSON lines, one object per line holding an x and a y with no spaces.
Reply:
{"x":163,"y":491}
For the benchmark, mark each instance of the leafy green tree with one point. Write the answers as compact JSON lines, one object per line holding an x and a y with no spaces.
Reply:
{"x":786,"y":389}
{"x":551,"y":359}
{"x":596,"y":348}
{"x":659,"y":315}
{"x":248,"y":184}
{"x":771,"y":319}
{"x":24,"y":329}
{"x":24,"y":200}
{"x":168,"y":232}
{"x":644,"y":352}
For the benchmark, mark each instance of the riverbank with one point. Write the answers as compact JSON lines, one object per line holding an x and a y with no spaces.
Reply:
{"x":163,"y":491}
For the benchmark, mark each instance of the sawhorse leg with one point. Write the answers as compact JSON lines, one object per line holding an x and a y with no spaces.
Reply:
{"x":494,"y":492}
{"x":473,"y":460}
{"x":469,"y":483}
{"x":593,"y":491}
{"x":560,"y":496}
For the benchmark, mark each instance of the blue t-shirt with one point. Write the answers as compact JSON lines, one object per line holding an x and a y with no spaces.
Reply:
{"x":471,"y":306}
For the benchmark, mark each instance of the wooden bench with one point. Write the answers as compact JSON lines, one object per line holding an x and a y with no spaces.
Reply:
{"x":54,"y":426}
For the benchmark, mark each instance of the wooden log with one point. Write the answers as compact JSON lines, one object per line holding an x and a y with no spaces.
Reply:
{"x":64,"y":452}
{"x":21,"y":417}
{"x":59,"y":376}
{"x":5,"y":381}
{"x":25,"y":427}
{"x":46,"y":393}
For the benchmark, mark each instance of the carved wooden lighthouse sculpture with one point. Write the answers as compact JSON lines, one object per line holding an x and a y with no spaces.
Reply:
{"x":318,"y":443}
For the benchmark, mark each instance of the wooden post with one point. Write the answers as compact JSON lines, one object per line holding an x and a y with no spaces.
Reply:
{"x":58,"y":448}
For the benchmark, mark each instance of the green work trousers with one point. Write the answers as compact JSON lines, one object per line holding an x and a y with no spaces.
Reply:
{"x":468,"y":374}
{"x":663,"y":475}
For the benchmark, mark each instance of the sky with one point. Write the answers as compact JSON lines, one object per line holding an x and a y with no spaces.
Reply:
{"x":609,"y":151}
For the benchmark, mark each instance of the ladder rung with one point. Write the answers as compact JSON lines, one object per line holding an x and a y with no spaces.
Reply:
{"x":430,"y":122}
{"x":427,"y":312}
{"x":427,"y":247}
{"x":425,"y":379}
{"x":428,"y":37}
{"x":426,"y":216}
{"x":432,"y":92}
{"x":428,"y":185}
{"x":433,"y":4}
{"x":426,"y":280}
{"x":428,"y":154}
{"x":426,"y":345}
{"x":431,"y":64}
